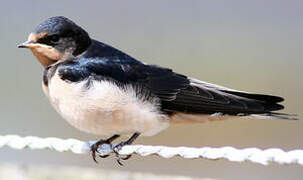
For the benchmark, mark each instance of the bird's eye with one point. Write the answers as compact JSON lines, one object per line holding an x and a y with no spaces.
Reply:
{"x":54,"y":38}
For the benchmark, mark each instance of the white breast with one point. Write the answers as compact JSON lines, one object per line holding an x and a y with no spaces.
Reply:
{"x":104,"y":108}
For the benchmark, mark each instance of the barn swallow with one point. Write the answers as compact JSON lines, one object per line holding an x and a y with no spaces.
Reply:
{"x":101,"y":90}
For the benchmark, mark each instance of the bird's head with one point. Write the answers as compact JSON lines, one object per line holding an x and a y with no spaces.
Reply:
{"x":57,"y":38}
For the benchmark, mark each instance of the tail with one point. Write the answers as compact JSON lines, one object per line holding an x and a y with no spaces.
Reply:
{"x":273,"y":115}
{"x":269,"y":102}
{"x":202,"y":98}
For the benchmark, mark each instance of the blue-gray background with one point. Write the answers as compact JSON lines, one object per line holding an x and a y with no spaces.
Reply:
{"x":248,"y":45}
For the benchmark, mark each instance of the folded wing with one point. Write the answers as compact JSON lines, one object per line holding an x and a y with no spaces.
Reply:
{"x":206,"y":98}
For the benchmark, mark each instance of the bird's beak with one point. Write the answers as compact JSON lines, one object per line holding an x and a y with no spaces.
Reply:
{"x":28,"y":44}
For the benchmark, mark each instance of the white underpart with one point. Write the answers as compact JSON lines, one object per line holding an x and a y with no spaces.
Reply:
{"x":104,"y":108}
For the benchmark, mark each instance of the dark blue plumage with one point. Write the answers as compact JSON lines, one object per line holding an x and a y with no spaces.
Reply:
{"x":64,"y":29}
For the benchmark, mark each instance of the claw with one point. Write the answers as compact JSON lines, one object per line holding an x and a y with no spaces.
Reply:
{"x":94,"y":157}
{"x":118,"y":159}
{"x":94,"y":148}
{"x":117,"y":155}
{"x":105,"y":156}
{"x":127,"y":157}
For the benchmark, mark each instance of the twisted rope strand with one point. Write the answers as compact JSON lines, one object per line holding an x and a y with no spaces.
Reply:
{"x":254,"y":155}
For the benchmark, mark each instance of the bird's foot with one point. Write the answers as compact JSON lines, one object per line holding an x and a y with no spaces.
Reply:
{"x":116,"y":150}
{"x":94,"y":148}
{"x":119,"y":146}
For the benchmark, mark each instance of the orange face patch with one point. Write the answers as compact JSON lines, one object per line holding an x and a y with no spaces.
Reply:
{"x":45,"y":54}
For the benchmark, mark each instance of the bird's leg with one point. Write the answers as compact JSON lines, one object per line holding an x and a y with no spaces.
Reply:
{"x":94,"y":147}
{"x":119,"y":146}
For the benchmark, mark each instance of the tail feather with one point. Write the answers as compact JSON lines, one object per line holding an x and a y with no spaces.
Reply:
{"x":269,"y":102}
{"x":282,"y":116}
{"x":272,"y":106}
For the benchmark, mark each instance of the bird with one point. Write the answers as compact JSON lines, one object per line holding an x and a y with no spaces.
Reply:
{"x":101,"y":90}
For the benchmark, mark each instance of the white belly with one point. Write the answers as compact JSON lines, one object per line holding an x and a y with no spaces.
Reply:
{"x":104,"y":108}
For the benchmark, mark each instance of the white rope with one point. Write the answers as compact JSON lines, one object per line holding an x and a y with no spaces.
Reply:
{"x":232,"y":154}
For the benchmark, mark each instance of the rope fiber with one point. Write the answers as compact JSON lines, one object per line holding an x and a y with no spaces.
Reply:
{"x":254,"y":155}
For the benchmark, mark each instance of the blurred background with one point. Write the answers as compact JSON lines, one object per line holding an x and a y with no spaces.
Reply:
{"x":254,"y":46}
